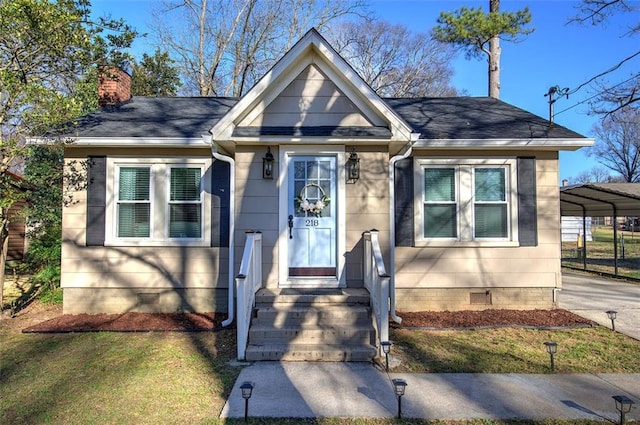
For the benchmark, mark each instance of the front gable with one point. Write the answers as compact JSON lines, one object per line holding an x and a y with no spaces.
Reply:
{"x":311,"y":92}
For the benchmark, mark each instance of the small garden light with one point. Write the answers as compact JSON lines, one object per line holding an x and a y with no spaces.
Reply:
{"x":246,"y":388}
{"x":399,"y":386}
{"x":552,"y":349}
{"x":386,"y":349}
{"x":611,"y":314}
{"x":623,"y":405}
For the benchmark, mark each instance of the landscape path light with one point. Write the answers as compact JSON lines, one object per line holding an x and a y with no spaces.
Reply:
{"x":623,"y":405}
{"x":611,"y":314}
{"x":246,"y":388}
{"x":552,"y":349}
{"x":386,"y":349}
{"x":399,"y":386}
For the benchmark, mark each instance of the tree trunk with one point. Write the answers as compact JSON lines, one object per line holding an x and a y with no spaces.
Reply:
{"x":494,"y":68}
{"x":494,"y":57}
{"x":4,"y":247}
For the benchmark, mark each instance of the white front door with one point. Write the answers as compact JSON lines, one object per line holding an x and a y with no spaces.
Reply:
{"x":311,"y":220}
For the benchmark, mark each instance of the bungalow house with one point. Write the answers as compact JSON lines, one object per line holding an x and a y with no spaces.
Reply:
{"x":311,"y":210}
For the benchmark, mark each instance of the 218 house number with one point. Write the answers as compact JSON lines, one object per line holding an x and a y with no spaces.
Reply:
{"x":312,"y":222}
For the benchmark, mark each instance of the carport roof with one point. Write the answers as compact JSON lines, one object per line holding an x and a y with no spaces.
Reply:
{"x":600,"y":200}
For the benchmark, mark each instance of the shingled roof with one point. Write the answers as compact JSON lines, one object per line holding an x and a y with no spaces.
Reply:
{"x":433,"y":118}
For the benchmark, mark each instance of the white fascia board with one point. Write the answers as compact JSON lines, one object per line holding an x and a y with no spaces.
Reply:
{"x":537,"y":144}
{"x":140,"y":142}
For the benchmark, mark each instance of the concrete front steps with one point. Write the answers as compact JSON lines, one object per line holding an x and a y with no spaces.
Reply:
{"x":312,"y":325}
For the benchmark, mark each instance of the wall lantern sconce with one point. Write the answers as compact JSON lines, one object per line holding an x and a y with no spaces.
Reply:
{"x":623,"y":405}
{"x":399,"y":386}
{"x":611,"y":314}
{"x":353,"y":167}
{"x":267,"y":165}
{"x":386,"y":349}
{"x":552,"y":349}
{"x":246,"y":388}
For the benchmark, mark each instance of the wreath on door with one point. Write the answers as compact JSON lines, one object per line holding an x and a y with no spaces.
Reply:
{"x":313,"y":208}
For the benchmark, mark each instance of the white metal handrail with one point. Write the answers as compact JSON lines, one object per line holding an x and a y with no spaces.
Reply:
{"x":376,"y":280}
{"x":248,"y":281}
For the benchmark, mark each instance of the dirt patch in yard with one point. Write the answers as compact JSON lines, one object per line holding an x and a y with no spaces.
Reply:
{"x":41,"y":318}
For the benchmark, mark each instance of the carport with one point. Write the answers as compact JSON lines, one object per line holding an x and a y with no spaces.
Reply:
{"x":600,"y":200}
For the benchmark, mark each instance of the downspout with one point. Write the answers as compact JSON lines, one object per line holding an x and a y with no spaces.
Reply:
{"x":232,"y":225}
{"x":392,"y":226}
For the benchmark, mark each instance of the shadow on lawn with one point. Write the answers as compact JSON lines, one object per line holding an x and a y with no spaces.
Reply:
{"x":114,"y":377}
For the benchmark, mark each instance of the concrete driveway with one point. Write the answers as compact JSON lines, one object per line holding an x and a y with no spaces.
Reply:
{"x":591,"y":297}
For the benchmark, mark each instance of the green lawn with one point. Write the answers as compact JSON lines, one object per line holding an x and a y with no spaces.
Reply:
{"x":185,"y":378}
{"x":600,"y":253}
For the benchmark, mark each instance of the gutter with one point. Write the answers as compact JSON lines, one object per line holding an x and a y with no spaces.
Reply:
{"x":392,"y":225}
{"x":232,"y":224}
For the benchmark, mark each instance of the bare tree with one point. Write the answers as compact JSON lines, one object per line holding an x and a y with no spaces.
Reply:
{"x":223,"y":47}
{"x":393,"y":60}
{"x":594,"y":175}
{"x":617,"y":144}
{"x":611,"y":96}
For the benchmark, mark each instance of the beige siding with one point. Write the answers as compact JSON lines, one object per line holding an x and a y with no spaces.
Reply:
{"x":436,"y":278}
{"x":311,"y":99}
{"x":367,"y":208}
{"x":112,"y":279}
{"x":257,"y":208}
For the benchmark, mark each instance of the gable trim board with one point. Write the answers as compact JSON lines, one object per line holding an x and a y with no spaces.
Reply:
{"x":519,"y":273}
{"x":312,"y":49}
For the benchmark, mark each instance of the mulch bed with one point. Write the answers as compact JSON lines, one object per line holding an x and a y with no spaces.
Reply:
{"x":197,"y":322}
{"x":494,"y":318}
{"x":130,"y":322}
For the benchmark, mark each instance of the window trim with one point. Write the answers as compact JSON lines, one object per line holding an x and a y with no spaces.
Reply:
{"x":466,"y":202}
{"x":159,"y":199}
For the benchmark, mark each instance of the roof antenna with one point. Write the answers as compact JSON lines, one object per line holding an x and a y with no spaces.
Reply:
{"x":553,"y":91}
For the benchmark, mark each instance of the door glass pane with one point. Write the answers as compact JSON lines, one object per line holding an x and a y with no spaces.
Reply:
{"x":312,"y":188}
{"x":440,"y":221}
{"x":299,"y":168}
{"x":491,"y":221}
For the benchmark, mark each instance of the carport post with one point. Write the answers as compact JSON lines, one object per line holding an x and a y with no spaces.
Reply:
{"x":584,"y":237}
{"x":615,"y":239}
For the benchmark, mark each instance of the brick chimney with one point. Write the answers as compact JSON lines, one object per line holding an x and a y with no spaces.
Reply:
{"x":114,"y":87}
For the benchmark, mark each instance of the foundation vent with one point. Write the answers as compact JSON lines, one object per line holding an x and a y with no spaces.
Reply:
{"x":148,"y":299}
{"x":480,"y":298}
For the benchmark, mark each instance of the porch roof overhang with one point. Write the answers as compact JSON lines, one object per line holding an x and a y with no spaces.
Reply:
{"x":600,"y":200}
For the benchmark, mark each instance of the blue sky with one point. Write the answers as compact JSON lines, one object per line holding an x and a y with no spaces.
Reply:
{"x":556,"y":53}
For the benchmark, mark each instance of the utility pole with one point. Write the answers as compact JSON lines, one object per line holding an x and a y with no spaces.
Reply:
{"x":553,"y":91}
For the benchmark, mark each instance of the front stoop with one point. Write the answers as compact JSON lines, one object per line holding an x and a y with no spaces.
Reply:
{"x":312,"y":325}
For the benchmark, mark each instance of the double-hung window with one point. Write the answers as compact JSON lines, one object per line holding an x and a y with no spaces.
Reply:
{"x":158,"y":202}
{"x":465,"y":201}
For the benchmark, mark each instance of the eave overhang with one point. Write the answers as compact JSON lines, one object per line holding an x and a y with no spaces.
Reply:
{"x":139,"y":142}
{"x":534,"y":144}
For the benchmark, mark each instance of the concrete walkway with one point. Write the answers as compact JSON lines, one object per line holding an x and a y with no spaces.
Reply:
{"x":306,"y":390}
{"x":591,"y":297}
